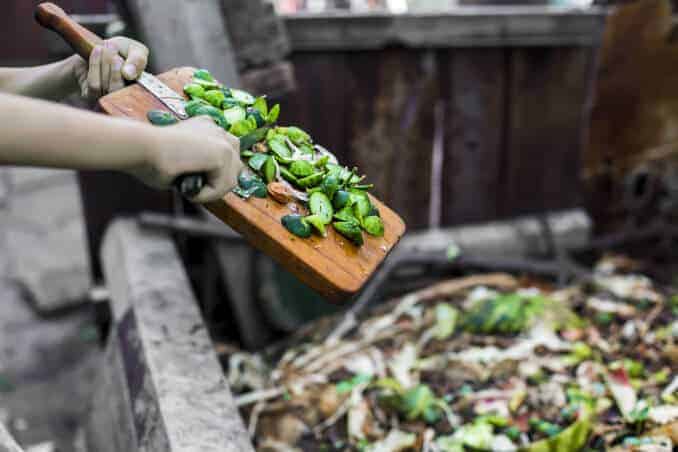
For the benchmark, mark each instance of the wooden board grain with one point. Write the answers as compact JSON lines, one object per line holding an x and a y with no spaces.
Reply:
{"x":474,"y":141}
{"x":546,"y":103}
{"x":332,"y":266}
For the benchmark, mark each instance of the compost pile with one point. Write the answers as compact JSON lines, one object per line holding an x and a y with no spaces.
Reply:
{"x":482,"y":363}
{"x":284,"y":163}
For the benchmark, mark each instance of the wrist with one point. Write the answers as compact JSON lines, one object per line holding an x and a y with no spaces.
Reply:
{"x":68,"y":75}
{"x":149,"y":145}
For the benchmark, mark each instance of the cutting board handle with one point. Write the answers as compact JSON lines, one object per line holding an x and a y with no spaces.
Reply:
{"x":81,"y":40}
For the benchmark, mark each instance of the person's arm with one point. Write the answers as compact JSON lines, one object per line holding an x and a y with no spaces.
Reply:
{"x":38,"y":133}
{"x":118,"y":59}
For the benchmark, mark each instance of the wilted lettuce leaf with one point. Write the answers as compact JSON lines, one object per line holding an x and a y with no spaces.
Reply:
{"x":571,"y":439}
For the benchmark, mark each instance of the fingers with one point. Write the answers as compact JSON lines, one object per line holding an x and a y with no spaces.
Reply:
{"x":222,"y":179}
{"x":94,"y":73}
{"x":136,"y":57}
{"x":108,"y":70}
{"x":108,"y":55}
{"x":116,"y":82}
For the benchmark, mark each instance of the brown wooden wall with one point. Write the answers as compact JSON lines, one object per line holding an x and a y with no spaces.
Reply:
{"x":512,"y":124}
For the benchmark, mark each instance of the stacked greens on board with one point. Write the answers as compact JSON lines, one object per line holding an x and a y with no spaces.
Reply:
{"x":284,"y":163}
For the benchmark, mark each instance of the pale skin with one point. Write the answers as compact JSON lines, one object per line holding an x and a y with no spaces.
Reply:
{"x":38,"y":133}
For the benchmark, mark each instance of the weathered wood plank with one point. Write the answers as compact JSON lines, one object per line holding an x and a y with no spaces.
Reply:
{"x":166,"y":380}
{"x":547,"y":94}
{"x":475,"y":133}
{"x":390,"y":111}
{"x":320,"y":103}
{"x":470,"y":26}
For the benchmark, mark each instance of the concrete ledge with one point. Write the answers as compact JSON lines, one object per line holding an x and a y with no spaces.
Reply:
{"x":476,"y":26}
{"x":162,"y":388}
{"x":522,"y":236}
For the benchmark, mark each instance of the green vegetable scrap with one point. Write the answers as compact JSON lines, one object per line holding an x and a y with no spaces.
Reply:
{"x":507,"y":314}
{"x":161,"y":118}
{"x":334,"y":194}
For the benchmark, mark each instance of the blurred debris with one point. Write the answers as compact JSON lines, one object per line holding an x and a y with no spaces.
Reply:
{"x":486,"y":362}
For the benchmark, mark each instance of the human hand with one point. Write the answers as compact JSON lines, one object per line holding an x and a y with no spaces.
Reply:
{"x":110,"y":63}
{"x":196,"y":145}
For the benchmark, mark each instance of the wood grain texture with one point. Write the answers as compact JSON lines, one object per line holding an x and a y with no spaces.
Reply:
{"x":476,"y":97}
{"x":332,"y":266}
{"x":546,"y":98}
{"x":374,"y":110}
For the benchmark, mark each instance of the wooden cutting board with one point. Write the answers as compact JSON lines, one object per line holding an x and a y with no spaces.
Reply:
{"x":332,"y":265}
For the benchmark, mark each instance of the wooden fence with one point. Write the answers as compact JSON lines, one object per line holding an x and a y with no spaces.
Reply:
{"x":510,"y":86}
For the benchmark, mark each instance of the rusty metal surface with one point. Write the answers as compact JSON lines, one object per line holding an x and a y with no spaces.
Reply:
{"x":636,"y":97}
{"x":629,"y":162}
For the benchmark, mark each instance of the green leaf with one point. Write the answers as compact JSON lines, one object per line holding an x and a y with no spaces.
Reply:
{"x":269,"y":169}
{"x":349,"y":230}
{"x":478,"y":435}
{"x":161,"y":118}
{"x":235,"y":114}
{"x":312,"y":180}
{"x":207,"y":85}
{"x":345,"y":386}
{"x":289,"y":177}
{"x":257,"y":161}
{"x":317,"y":223}
{"x":446,"y":320}
{"x":247,"y":178}
{"x":261,"y":106}
{"x":374,"y":226}
{"x":203,"y":74}
{"x":346,"y":214}
{"x":273,"y":114}
{"x":242,"y":96}
{"x":296,"y":225}
{"x":297,"y":135}
{"x":505,"y":314}
{"x":449,"y":444}
{"x":279,"y":147}
{"x":213,"y":112}
{"x":453,"y":252}
{"x":193,"y":105}
{"x":547,"y":428}
{"x":420,"y":403}
{"x":330,"y":186}
{"x":194,"y":90}
{"x":242,"y":128}
{"x":302,"y":168}
{"x":362,"y":203}
{"x":573,"y":438}
{"x":320,"y":205}
{"x":214,"y":97}
{"x":257,"y":189}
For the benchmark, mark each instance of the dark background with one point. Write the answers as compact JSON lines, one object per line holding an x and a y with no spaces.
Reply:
{"x":23,"y":40}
